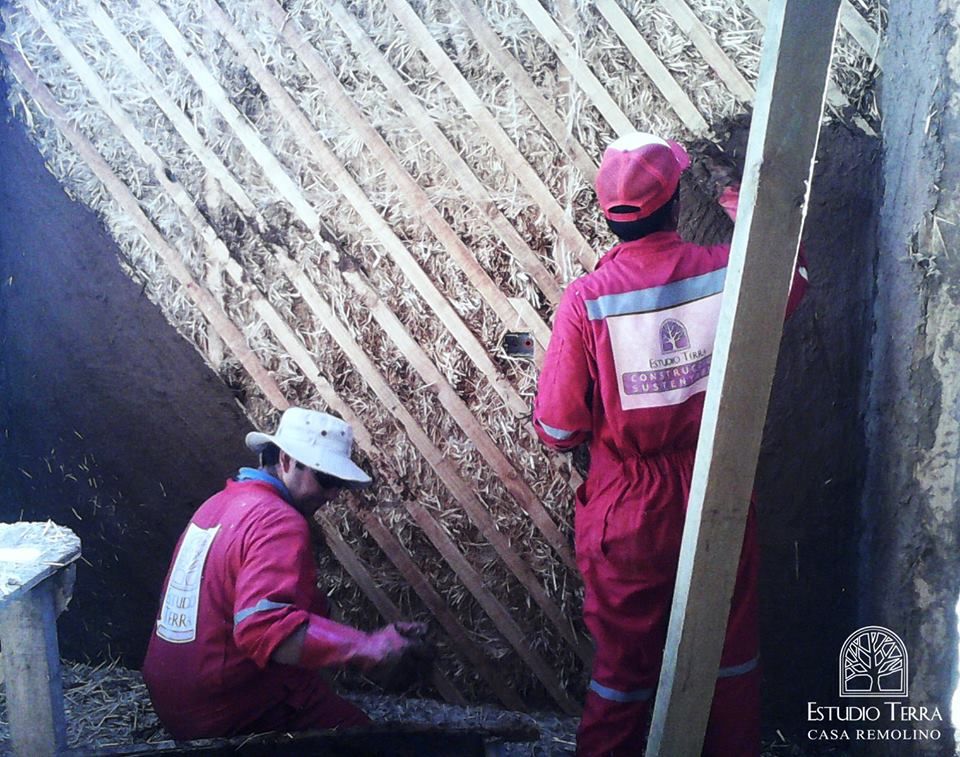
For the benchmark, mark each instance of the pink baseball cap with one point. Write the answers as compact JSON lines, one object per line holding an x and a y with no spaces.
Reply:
{"x":639,"y":170}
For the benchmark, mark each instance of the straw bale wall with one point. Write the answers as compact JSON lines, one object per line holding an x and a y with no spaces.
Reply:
{"x":345,"y":205}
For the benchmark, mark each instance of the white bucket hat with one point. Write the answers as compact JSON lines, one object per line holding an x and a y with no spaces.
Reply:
{"x":317,"y":440}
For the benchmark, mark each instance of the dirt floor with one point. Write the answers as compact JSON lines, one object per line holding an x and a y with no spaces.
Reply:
{"x":108,"y":706}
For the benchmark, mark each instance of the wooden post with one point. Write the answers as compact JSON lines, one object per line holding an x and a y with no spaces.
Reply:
{"x":36,"y":580}
{"x":31,"y":671}
{"x":779,"y":167}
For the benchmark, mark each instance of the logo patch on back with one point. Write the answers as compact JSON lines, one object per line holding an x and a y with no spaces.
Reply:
{"x":178,"y":617}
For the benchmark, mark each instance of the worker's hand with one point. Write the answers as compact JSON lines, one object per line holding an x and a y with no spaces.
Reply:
{"x":404,"y":655}
{"x":714,"y":172}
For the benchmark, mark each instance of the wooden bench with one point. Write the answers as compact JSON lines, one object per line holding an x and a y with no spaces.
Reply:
{"x":37,"y":572}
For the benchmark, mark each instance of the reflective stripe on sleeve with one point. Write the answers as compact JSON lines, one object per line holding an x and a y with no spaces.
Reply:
{"x":262,"y":606}
{"x":739,"y":670}
{"x":642,"y":695}
{"x":557,"y":433}
{"x":612,"y":695}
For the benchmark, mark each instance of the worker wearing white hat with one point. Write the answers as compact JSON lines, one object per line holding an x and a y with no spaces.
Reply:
{"x":242,"y":629}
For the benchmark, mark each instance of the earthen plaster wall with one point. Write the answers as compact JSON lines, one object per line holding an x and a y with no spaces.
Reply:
{"x":909,"y":578}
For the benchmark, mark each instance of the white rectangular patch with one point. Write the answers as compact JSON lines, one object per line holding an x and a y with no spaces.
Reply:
{"x":178,"y":617}
{"x":663,"y":357}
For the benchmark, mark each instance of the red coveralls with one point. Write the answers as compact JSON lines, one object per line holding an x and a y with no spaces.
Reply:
{"x":627,"y":369}
{"x":242,"y":580}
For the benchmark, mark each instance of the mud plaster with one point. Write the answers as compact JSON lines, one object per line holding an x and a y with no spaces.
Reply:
{"x":908,"y":569}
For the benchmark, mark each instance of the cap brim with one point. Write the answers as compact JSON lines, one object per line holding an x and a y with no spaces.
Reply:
{"x":257,"y":440}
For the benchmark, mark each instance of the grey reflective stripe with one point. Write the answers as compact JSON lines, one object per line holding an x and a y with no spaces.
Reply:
{"x":657,"y":298}
{"x":637,"y":695}
{"x":642,"y":695}
{"x":262,"y":606}
{"x":739,"y":670}
{"x":557,"y":433}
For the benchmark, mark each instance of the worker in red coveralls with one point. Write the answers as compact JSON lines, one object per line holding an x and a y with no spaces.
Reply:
{"x":242,"y":630}
{"x":626,"y":370}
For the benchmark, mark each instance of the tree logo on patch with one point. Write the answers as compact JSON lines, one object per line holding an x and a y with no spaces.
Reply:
{"x":874,"y":663}
{"x":673,"y":336}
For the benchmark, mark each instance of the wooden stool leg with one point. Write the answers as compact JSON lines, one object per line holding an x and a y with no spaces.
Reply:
{"x":31,"y":666}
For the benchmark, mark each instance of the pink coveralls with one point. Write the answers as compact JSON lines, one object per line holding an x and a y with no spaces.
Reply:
{"x":626,"y":370}
{"x":242,"y":580}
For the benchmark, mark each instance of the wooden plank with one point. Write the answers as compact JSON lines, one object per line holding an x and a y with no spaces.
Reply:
{"x":200,"y":297}
{"x":509,"y":476}
{"x":458,"y":635}
{"x":522,"y":83}
{"x":578,"y":68}
{"x":355,"y":194}
{"x":273,"y":170}
{"x":421,"y":119}
{"x":653,"y":67}
{"x":30,"y":553}
{"x":410,"y":192}
{"x":31,"y":670}
{"x":835,"y":97}
{"x":779,"y":169}
{"x":387,"y":609}
{"x":463,"y":493}
{"x":850,"y":19}
{"x":488,"y":125}
{"x":407,"y":739}
{"x":712,"y":53}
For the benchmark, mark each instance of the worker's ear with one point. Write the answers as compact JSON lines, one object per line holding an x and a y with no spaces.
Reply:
{"x":286,"y":462}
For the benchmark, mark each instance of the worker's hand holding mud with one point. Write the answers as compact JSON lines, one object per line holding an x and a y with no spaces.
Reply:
{"x":404,"y":655}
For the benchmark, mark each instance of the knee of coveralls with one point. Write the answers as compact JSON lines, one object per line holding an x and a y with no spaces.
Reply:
{"x":307,"y":707}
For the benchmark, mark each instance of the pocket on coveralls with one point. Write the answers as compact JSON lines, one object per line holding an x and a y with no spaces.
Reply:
{"x":641,"y":535}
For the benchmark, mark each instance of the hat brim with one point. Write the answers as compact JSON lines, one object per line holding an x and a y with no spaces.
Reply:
{"x":338,"y":466}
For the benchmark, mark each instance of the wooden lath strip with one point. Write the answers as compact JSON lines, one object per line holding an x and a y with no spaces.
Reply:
{"x":524,"y":86}
{"x":504,"y":621}
{"x":488,"y":125}
{"x":712,"y":53}
{"x":273,"y":170}
{"x":188,"y":207}
{"x":203,"y":300}
{"x":577,"y":67}
{"x":387,"y":609}
{"x":510,"y":477}
{"x":473,"y":187}
{"x":860,"y":29}
{"x":653,"y":67}
{"x":458,"y":635}
{"x":445,"y":312}
{"x":410,"y":191}
{"x":463,"y":492}
{"x":850,"y":19}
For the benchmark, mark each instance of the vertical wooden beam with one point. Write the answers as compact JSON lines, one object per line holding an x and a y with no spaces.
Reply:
{"x":779,"y":167}
{"x":31,"y":666}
